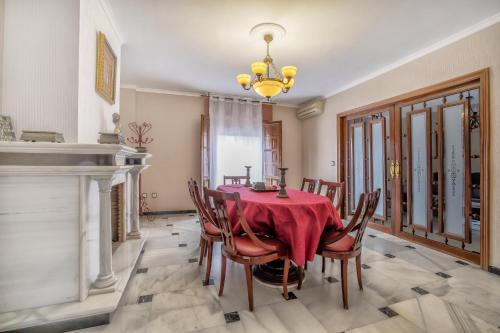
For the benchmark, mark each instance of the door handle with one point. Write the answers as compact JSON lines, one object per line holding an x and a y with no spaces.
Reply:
{"x":395,"y":169}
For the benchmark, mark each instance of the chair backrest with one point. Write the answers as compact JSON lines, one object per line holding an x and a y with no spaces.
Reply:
{"x":332,"y":189}
{"x":234,"y":179}
{"x":365,"y":209}
{"x":273,"y":180}
{"x":216,"y":202}
{"x":311,"y":184}
{"x":201,"y":208}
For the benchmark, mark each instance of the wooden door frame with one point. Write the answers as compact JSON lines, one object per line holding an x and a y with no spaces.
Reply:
{"x":478,"y":79}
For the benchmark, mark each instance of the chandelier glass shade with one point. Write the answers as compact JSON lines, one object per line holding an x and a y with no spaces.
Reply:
{"x":268,"y":81}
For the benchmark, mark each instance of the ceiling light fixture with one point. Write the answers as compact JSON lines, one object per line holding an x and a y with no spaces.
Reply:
{"x":268,"y":82}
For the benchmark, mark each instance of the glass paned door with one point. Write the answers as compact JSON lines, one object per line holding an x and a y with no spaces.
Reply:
{"x":369,"y":165}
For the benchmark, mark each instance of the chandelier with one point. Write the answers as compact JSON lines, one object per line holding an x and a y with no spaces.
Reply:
{"x":268,"y":82}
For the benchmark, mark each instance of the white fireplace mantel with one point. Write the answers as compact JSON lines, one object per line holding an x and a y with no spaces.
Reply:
{"x":55,"y":224}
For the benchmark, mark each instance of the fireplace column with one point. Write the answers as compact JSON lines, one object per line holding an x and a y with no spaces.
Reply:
{"x":135,"y":231}
{"x":106,"y":277}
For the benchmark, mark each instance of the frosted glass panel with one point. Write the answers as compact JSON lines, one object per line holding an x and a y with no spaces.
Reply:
{"x":378,"y":158}
{"x":419,"y":169}
{"x":358,"y":162}
{"x":453,"y":170}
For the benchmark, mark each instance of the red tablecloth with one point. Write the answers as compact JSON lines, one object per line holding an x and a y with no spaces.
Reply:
{"x":297,"y":221}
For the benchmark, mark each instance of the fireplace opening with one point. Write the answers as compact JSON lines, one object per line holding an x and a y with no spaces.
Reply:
{"x":117,"y":216}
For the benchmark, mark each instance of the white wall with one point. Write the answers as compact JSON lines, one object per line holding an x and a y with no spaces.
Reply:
{"x":40,"y":65}
{"x":2,"y":21}
{"x":95,"y":113}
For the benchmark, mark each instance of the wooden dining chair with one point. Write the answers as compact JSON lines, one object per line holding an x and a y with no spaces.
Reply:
{"x":340,"y":245}
{"x":332,"y":189}
{"x":247,"y":249}
{"x":234,"y":179}
{"x":311,"y":184}
{"x":210,"y":233}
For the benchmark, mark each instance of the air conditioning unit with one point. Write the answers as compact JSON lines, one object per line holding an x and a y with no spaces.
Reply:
{"x":311,"y":109}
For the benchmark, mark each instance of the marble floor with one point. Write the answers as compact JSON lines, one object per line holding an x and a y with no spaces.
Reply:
{"x":407,"y":288}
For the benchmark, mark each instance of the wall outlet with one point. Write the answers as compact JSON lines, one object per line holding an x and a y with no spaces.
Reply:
{"x":154,"y":195}
{"x":332,"y":163}
{"x":144,"y":195}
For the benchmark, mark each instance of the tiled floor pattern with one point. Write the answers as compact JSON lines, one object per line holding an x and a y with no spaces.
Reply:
{"x":407,"y":288}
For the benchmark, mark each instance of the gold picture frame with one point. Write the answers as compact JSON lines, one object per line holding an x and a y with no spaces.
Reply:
{"x":105,"y":82}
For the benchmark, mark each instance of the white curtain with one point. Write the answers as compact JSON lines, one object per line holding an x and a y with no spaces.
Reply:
{"x":235,"y":139}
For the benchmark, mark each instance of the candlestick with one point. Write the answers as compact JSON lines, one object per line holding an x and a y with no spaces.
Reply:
{"x":282,"y":192}
{"x":247,"y":183}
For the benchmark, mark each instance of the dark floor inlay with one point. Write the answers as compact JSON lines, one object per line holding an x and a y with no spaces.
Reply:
{"x":462,"y":263}
{"x":388,"y":255}
{"x":291,"y":295}
{"x":388,"y":311}
{"x":231,"y":317}
{"x":175,"y":233}
{"x":170,"y":225}
{"x":192,"y":215}
{"x":165,"y":218}
{"x":210,"y":282}
{"x":183,"y":245}
{"x":193,"y":260}
{"x":142,"y":251}
{"x":145,"y":299}
{"x":420,"y":291}
{"x":443,"y":275}
{"x":331,"y":279}
{"x":142,"y":270}
{"x":197,"y":221}
{"x":372,"y":236}
{"x":410,"y":247}
{"x":365,"y":266}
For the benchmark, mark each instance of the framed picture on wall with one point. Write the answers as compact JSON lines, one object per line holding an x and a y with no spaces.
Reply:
{"x":105,"y":82}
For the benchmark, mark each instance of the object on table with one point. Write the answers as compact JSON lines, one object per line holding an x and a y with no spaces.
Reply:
{"x":247,"y":182}
{"x":6,"y":132}
{"x":282,"y":192}
{"x":112,"y":138}
{"x":140,"y":131}
{"x":42,"y":136}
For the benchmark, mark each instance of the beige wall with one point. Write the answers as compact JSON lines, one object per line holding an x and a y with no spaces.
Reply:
{"x":176,"y":133}
{"x":175,"y":149}
{"x":478,"y":51}
{"x":292,"y":144}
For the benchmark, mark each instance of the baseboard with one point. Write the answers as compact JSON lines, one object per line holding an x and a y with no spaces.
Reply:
{"x":494,"y":270}
{"x":67,"y":325}
{"x":165,"y":212}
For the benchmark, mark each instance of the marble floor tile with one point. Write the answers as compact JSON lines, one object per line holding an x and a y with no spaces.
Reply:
{"x":432,"y":314}
{"x":383,"y":245}
{"x":126,"y":319}
{"x":429,"y":260}
{"x":163,"y":279}
{"x":161,"y":242}
{"x":479,"y":277}
{"x":185,"y":311}
{"x":392,"y":325}
{"x":168,"y":256}
{"x":325,"y":304}
{"x":405,"y":272}
{"x":475,"y":300}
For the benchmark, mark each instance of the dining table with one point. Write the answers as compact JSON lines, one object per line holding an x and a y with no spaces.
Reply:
{"x":298,"y":221}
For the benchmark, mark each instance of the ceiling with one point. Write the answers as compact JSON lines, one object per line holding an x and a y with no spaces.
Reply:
{"x":200,"y":46}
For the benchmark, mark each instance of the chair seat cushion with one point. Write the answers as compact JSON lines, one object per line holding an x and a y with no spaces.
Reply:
{"x":211,"y":229}
{"x":245,"y":246}
{"x":342,"y":245}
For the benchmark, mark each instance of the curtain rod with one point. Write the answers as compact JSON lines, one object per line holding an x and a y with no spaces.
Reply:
{"x":241,"y":99}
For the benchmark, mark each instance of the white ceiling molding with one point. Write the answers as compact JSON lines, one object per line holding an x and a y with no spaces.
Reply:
{"x":434,"y":47}
{"x":187,"y":93}
{"x":106,"y":7}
